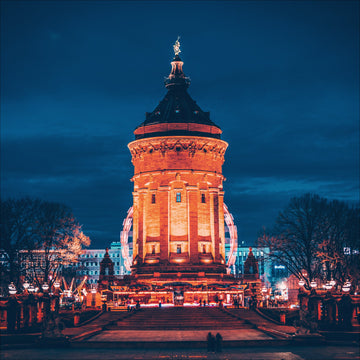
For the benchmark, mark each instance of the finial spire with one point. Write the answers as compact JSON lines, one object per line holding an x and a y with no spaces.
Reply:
{"x":177,"y":78}
{"x":176,"y":46}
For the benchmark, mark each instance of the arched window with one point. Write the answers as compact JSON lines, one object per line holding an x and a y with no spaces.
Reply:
{"x":178,"y":197}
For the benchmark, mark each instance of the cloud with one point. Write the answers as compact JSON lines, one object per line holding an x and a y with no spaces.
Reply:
{"x":89,"y":174}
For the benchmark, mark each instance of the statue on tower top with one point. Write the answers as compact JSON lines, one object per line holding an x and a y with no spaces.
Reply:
{"x":176,"y":46}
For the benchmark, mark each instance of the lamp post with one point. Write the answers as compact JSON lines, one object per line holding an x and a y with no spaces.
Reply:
{"x":93,"y":292}
{"x":313,"y":284}
{"x":12,"y":289}
{"x":46,"y":301}
{"x":12,"y":309}
{"x":264,"y":291}
{"x":346,"y":287}
{"x":31,"y":303}
{"x":332,"y":283}
{"x":328,"y":286}
{"x":57,"y":296}
{"x":26,"y":286}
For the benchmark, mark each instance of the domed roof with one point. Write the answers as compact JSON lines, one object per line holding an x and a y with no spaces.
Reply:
{"x":106,"y":260}
{"x":177,"y":113}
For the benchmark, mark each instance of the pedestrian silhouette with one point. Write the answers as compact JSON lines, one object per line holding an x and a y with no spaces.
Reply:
{"x":218,"y":342}
{"x":211,"y":342}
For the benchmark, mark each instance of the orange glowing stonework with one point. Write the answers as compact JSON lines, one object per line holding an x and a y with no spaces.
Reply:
{"x":178,"y":219}
{"x":178,"y":209}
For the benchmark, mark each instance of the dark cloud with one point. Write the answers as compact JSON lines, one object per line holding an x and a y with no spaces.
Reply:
{"x":89,"y":174}
{"x":280,"y":78}
{"x":60,"y":156}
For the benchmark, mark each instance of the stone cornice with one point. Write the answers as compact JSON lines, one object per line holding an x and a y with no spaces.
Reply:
{"x":138,"y":148}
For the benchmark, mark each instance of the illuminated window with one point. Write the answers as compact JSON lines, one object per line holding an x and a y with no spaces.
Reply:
{"x":178,"y":249}
{"x":178,"y":197}
{"x":153,"y":199}
{"x":203,"y":198}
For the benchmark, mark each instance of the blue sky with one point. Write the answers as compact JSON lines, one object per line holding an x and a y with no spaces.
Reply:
{"x":281,"y":78}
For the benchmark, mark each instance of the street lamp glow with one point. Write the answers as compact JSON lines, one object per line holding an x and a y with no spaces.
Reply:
{"x":301,"y":282}
{"x":346,"y":287}
{"x":12,"y":289}
{"x":328,"y":286}
{"x":56,"y":284}
{"x":26,"y":285}
{"x":313,"y":284}
{"x":282,"y":286}
{"x":31,"y":288}
{"x":45,"y":287}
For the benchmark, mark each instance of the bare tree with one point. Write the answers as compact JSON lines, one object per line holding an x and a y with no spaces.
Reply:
{"x":39,"y":238}
{"x":339,"y":250}
{"x":309,"y":238}
{"x":58,"y":242}
{"x":17,"y":232}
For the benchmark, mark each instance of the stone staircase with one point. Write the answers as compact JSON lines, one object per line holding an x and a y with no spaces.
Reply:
{"x":179,"y":318}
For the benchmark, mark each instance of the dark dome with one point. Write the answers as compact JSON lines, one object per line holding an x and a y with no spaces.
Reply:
{"x":177,"y":107}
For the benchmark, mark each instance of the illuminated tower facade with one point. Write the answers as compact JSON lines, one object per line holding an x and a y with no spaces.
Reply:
{"x":178,"y":219}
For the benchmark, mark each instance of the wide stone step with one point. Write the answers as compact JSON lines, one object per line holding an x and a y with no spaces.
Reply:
{"x":218,"y":323}
{"x":180,"y":318}
{"x":176,"y":327}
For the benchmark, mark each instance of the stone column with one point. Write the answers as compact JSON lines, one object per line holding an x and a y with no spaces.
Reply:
{"x":221,"y":223}
{"x":216,"y":227}
{"x":12,"y":309}
{"x":140,"y":239}
{"x":26,"y":312}
{"x":164,"y":222}
{"x":39,"y":311}
{"x":192,"y":195}
{"x":135,"y":223}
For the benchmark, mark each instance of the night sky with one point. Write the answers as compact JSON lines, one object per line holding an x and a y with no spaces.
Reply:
{"x":280,"y":78}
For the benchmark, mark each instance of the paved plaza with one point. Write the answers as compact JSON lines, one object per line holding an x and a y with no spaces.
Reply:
{"x":254,"y":353}
{"x":174,"y":335}
{"x":119,"y":336}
